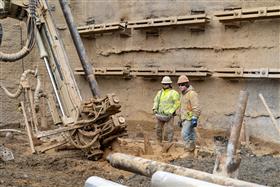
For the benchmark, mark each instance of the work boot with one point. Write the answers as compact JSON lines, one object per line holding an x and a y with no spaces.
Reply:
{"x":159,"y":141}
{"x":190,"y":146}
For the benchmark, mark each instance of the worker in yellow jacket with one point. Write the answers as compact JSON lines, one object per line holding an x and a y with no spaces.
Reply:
{"x":189,"y":112}
{"x":166,"y":103}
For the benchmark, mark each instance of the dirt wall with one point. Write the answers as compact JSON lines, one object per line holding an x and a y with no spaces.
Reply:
{"x":253,"y":45}
{"x":14,"y":35}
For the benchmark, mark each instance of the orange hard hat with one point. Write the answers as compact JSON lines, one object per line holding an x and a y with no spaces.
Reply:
{"x":182,"y":79}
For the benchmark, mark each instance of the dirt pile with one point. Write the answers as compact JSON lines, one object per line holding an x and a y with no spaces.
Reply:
{"x":71,"y":168}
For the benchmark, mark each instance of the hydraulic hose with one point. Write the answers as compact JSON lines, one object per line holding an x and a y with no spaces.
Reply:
{"x":37,"y":91}
{"x":12,"y":95}
{"x":30,"y":42}
{"x":20,"y":87}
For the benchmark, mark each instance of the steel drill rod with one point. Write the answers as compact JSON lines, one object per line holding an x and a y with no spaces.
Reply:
{"x":54,"y":86}
{"x":79,"y":47}
{"x":147,"y":168}
{"x":44,"y":56}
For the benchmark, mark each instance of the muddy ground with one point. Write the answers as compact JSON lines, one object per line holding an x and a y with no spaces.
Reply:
{"x":71,"y":168}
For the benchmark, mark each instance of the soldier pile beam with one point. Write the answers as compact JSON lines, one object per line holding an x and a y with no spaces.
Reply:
{"x":146,"y":72}
{"x":101,"y":28}
{"x":168,"y":21}
{"x":248,"y":14}
{"x":230,"y":73}
{"x":191,"y":20}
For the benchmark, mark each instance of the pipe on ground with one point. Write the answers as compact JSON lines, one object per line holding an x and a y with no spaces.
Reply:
{"x":147,"y":168}
{"x":100,"y":182}
{"x":165,"y":179}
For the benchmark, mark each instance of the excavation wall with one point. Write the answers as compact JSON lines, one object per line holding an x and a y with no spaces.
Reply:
{"x":253,"y":44}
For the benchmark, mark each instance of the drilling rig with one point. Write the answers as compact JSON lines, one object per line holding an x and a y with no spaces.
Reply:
{"x":90,"y":125}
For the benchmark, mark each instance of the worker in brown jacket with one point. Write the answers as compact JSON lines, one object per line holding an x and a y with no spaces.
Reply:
{"x":189,"y":112}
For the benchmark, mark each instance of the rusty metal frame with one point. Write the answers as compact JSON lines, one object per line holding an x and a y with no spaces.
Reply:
{"x":248,"y":14}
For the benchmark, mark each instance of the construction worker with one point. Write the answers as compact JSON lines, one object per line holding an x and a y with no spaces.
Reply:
{"x":189,"y":112}
{"x":166,"y":103}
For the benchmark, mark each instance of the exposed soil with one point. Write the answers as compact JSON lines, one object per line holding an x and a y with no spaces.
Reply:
{"x":71,"y":168}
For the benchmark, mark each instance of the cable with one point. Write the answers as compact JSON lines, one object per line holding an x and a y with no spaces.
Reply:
{"x":30,"y":42}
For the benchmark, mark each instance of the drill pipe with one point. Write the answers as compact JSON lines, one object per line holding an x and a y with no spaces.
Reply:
{"x":149,"y":167}
{"x":79,"y":47}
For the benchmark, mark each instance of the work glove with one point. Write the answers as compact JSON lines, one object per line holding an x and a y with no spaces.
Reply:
{"x":194,"y":121}
{"x":154,"y":111}
{"x":168,"y":114}
{"x":179,"y":124}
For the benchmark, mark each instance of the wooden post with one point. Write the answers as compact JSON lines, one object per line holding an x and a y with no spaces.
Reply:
{"x":148,"y":149}
{"x":228,"y":164}
{"x":276,"y":125}
{"x":28,"y":129}
{"x":44,"y":124}
{"x":33,"y":112}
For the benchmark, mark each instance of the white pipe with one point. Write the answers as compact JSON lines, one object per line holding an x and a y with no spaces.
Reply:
{"x":100,"y":182}
{"x":165,"y":179}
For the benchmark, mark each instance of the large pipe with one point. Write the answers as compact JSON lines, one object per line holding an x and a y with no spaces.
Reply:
{"x":80,"y":47}
{"x":228,"y":164}
{"x":237,"y":124}
{"x":166,"y":179}
{"x":149,"y":167}
{"x":100,"y":182}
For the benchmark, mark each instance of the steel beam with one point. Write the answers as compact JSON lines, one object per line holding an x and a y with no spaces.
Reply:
{"x":248,"y":14}
{"x":125,"y":27}
{"x":146,"y":72}
{"x":168,"y":21}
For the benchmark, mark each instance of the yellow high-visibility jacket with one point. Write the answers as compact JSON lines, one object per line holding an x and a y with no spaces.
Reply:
{"x":166,"y":102}
{"x":189,"y":105}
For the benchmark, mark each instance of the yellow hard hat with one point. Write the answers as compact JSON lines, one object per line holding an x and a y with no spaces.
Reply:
{"x":166,"y":80}
{"x":182,"y":79}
